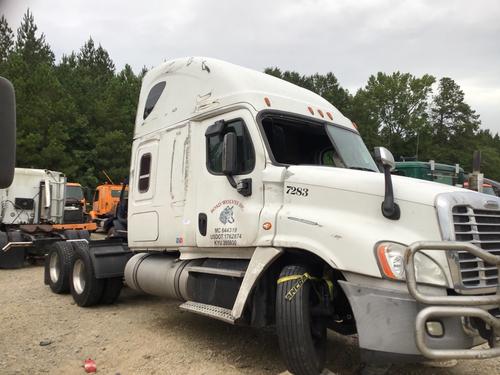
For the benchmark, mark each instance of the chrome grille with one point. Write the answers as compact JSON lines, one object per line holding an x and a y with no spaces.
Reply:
{"x":482,"y":228}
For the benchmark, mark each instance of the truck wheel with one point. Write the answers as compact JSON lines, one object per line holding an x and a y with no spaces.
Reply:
{"x":58,"y":265}
{"x":112,"y":289}
{"x":301,"y":335}
{"x":112,"y":232}
{"x":14,"y":258}
{"x":85,"y":288}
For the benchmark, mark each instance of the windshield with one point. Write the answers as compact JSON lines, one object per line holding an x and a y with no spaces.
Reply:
{"x":74,"y":192}
{"x":116,"y":193}
{"x":488,"y":190}
{"x":351,"y":149}
{"x":297,"y":141}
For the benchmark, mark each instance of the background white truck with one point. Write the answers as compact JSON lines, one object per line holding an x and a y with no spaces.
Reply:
{"x":256,"y":202}
{"x":31,"y":216}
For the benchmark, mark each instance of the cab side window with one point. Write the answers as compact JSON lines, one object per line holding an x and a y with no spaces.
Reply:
{"x":144,"y":173}
{"x":245,"y":155}
{"x":152,"y":99}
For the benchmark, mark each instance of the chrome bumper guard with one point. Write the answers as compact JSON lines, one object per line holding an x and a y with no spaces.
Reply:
{"x":453,"y":306}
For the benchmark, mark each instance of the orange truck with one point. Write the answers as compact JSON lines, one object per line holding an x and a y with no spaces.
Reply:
{"x":106,"y":198}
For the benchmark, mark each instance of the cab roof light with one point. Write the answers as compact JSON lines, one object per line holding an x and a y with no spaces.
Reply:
{"x":311,"y":111}
{"x":355,"y":125}
{"x":321,"y":113}
{"x":267,"y":101}
{"x":330,"y":116}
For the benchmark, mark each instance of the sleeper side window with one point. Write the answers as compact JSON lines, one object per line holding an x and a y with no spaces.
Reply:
{"x":144,"y":173}
{"x":153,"y":96}
{"x":245,"y":155}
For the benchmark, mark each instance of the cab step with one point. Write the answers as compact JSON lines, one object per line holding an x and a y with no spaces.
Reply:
{"x":211,"y":311}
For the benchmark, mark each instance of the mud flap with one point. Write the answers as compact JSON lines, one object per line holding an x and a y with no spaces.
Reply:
{"x":13,"y":258}
{"x":109,"y":258}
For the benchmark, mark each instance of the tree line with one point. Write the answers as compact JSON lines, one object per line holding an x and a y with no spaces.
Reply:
{"x":77,"y":115}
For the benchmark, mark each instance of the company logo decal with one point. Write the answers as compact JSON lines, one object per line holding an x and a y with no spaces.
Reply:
{"x":227,"y":232}
{"x":226,"y":215}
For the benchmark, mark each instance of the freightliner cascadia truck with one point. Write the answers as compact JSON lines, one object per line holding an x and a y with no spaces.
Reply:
{"x":256,"y":202}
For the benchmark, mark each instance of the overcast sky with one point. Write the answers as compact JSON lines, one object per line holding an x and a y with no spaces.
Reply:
{"x":354,"y":39}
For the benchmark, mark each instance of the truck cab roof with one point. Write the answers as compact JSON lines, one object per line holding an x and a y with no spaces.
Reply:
{"x":193,"y":87}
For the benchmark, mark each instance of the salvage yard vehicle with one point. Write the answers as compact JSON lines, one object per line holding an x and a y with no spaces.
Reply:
{"x":256,"y":202}
{"x":431,"y":171}
{"x":106,"y":198}
{"x":75,"y":204}
{"x":31,"y":216}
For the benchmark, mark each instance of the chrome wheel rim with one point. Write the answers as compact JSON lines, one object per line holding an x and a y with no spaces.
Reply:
{"x":54,"y":269}
{"x":79,"y":276}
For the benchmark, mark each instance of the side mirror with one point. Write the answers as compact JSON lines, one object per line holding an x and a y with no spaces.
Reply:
{"x":390,"y":209}
{"x":384,"y":157}
{"x":7,"y":133}
{"x":229,"y":154}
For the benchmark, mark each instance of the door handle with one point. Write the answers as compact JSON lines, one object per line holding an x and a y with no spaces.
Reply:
{"x":202,"y":223}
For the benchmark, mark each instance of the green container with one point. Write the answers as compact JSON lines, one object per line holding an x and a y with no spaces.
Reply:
{"x":443,"y":173}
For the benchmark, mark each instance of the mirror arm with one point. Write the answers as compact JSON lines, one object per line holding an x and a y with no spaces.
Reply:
{"x":390,"y":209}
{"x":231,"y":180}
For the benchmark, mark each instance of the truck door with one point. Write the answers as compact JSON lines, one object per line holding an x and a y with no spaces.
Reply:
{"x":226,"y":218}
{"x":143,"y":214}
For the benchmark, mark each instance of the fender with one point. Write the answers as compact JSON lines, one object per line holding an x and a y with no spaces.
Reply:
{"x":108,"y":257}
{"x":262,"y":258}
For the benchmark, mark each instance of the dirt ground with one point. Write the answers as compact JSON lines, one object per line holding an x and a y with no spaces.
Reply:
{"x":147,"y":335}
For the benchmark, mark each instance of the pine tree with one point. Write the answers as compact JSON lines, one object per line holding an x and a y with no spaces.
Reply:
{"x":6,"y":40}
{"x":34,"y":49}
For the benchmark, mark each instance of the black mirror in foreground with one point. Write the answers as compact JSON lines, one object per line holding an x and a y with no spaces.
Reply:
{"x":390,"y":209}
{"x":7,"y":132}
{"x":229,"y":150}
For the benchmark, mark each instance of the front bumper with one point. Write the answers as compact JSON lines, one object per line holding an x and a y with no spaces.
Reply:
{"x":391,"y":316}
{"x":468,"y":307}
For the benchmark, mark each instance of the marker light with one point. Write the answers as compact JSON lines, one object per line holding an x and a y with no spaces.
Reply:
{"x":267,"y":225}
{"x":321,"y":113}
{"x":267,"y":101}
{"x":355,"y":125}
{"x":329,"y":115}
{"x":311,"y":111}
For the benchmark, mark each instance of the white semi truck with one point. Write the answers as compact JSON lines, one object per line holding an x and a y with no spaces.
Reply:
{"x":256,"y":202}
{"x":31,"y":216}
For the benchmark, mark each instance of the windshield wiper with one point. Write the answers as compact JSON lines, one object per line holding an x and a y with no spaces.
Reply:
{"x":362,"y":169}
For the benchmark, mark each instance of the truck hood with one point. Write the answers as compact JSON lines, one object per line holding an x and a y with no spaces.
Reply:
{"x":370,"y":183}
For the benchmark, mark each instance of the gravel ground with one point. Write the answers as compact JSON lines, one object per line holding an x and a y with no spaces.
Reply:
{"x":147,"y":335}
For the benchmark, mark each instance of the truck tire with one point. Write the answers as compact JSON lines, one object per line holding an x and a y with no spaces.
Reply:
{"x":112,"y":289}
{"x":58,"y":263}
{"x":85,"y":288}
{"x":301,"y":336}
{"x":14,"y":258}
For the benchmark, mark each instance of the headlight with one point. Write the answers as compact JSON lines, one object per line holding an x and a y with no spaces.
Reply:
{"x":390,"y":257}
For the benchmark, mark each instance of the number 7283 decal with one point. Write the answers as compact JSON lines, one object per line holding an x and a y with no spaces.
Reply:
{"x":294,"y":190}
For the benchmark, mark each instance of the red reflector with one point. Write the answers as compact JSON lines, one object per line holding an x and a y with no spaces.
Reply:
{"x":267,"y":101}
{"x":311,"y":111}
